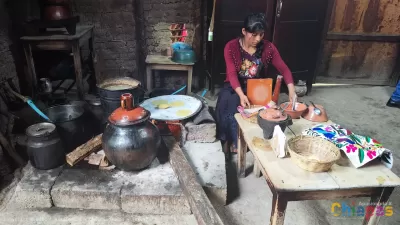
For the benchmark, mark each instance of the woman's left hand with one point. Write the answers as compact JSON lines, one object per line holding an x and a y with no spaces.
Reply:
{"x":292,"y":96}
{"x":292,"y":93}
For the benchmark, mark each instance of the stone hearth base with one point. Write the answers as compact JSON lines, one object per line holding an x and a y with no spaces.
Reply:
{"x":155,"y":190}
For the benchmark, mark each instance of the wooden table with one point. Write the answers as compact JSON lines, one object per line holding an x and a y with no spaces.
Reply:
{"x":288,"y":182}
{"x":58,"y":39}
{"x":159,"y":62}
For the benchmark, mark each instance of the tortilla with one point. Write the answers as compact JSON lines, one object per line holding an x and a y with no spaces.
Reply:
{"x":163,"y":106}
{"x":261,"y":144}
{"x":177,"y":104}
{"x":183,"y":112}
{"x":159,"y":102}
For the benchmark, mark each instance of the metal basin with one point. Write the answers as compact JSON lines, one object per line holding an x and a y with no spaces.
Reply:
{"x":71,"y":125}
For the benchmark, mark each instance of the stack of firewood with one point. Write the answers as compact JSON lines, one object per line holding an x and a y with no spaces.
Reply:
{"x":90,"y":152}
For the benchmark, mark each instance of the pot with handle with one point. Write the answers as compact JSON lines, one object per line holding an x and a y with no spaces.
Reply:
{"x":130,"y":141}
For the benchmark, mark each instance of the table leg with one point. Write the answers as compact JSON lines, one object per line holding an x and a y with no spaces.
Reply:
{"x":241,"y":151}
{"x":257,"y":169}
{"x":94,"y":57}
{"x":380,"y":200}
{"x":279,"y":205}
{"x":31,"y":68}
{"x":78,"y":69}
{"x":149,"y":81}
{"x":190,"y":77}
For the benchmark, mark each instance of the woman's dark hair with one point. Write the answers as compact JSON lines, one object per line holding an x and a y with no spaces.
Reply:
{"x":256,"y":23}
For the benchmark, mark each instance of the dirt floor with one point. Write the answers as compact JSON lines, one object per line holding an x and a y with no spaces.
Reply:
{"x":360,"y":108}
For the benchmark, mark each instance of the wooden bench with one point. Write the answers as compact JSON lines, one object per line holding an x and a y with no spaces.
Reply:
{"x":159,"y":62}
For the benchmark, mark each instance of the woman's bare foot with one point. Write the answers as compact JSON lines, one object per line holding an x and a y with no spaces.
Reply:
{"x":233,"y":149}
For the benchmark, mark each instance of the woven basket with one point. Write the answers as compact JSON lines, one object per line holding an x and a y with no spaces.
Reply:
{"x":313,"y":154}
{"x":252,"y":119}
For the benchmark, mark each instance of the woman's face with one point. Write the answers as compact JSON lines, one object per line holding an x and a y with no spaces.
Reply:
{"x":252,"y":39}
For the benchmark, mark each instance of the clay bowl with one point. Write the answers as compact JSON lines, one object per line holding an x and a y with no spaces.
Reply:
{"x":299,"y":109}
{"x":268,"y":126}
{"x":310,"y":115}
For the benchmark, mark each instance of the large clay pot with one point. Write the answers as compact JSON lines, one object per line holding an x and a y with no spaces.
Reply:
{"x":130,"y":140}
{"x":55,"y":9}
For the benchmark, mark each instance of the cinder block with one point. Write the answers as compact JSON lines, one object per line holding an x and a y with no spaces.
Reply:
{"x":204,"y":133}
{"x":208,"y":161}
{"x":87,"y":189}
{"x":33,"y":191}
{"x":154,"y":191}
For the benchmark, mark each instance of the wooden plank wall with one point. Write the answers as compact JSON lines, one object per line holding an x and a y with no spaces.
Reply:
{"x":362,"y":44}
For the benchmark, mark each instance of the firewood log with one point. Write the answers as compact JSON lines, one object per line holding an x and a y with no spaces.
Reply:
{"x":84,"y":150}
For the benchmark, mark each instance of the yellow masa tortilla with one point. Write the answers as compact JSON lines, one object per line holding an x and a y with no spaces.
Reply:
{"x":159,"y":102}
{"x":183,"y":112}
{"x":177,"y":104}
{"x":163,"y":106}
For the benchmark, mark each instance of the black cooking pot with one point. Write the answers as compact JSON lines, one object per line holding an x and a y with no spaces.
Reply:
{"x":268,"y":127}
{"x":44,"y":146}
{"x":110,"y":92}
{"x":72,"y":126}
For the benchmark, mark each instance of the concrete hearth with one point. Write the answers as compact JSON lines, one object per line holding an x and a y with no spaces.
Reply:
{"x":155,"y":190}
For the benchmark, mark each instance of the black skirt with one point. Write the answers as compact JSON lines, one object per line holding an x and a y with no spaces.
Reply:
{"x":227,"y":127}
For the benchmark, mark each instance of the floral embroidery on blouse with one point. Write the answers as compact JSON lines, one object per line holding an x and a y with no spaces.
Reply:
{"x":250,"y":65}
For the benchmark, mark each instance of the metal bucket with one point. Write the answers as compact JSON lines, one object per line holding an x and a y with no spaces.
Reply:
{"x":110,"y":92}
{"x":71,"y":125}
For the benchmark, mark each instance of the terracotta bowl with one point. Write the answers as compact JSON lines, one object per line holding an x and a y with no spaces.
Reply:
{"x":299,"y":109}
{"x":310,"y":115}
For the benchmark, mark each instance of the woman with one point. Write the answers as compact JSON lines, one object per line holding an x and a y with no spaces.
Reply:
{"x":394,"y":100}
{"x":245,"y":57}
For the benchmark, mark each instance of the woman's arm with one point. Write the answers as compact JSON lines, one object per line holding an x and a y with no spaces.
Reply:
{"x":232,"y":76}
{"x":281,"y":66}
{"x":231,"y":72}
{"x":283,"y":69}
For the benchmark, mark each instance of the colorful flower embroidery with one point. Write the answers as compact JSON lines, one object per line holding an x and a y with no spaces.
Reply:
{"x":253,"y":70}
{"x":355,"y":146}
{"x":371,"y":154}
{"x":351,"y":148}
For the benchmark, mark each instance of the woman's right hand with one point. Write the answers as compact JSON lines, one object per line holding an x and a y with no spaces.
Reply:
{"x":244,"y":101}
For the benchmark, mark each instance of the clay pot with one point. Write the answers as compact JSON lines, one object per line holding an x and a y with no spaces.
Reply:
{"x":268,"y":126}
{"x":130,"y":140}
{"x":310,"y":114}
{"x":299,"y":109}
{"x":55,"y":9}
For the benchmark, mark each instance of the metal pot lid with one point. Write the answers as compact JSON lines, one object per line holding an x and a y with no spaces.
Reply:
{"x":127,"y":114}
{"x":40,"y":129}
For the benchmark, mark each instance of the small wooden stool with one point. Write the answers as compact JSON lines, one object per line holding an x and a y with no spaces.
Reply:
{"x":159,"y":62}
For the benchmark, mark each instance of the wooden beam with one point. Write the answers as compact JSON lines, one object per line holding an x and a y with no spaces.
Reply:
{"x":332,"y":36}
{"x":331,"y":194}
{"x":201,"y":206}
{"x":325,"y":29}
